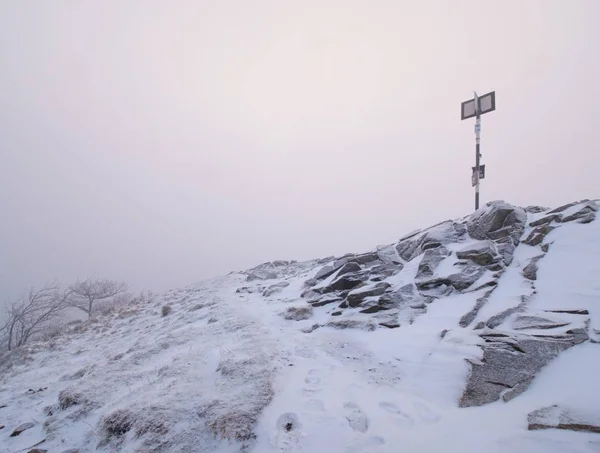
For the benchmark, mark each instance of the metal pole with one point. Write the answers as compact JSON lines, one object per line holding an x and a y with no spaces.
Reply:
{"x":477,"y":156}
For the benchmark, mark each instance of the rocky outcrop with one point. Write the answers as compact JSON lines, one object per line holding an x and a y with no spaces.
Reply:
{"x":559,"y":417}
{"x":356,"y":297}
{"x":510,"y":362}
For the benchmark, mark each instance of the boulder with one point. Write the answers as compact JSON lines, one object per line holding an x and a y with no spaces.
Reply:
{"x":352,"y":324}
{"x":559,"y":417}
{"x":357,"y":296}
{"x":385,"y":270}
{"x":546,"y":220}
{"x":509,"y":364}
{"x":298,"y":313}
{"x":325,"y":301}
{"x":498,"y":219}
{"x":564,"y":207}
{"x":482,"y":253}
{"x":349,"y":268}
{"x":276,"y":288}
{"x":431,"y":259}
{"x":324,"y":272}
{"x":22,"y":427}
{"x":530,"y":271}
{"x":585,"y":215}
{"x":537,"y":236}
{"x":459,"y":281}
{"x":345,"y":282}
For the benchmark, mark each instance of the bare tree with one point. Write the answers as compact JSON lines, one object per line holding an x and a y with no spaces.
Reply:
{"x":87,"y":295}
{"x":33,"y":314}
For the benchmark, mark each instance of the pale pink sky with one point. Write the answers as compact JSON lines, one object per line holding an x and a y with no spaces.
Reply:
{"x":162,"y":142}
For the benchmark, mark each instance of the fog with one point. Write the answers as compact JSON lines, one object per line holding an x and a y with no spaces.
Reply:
{"x":163,"y":142}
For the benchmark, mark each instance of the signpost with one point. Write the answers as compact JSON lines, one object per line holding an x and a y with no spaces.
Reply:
{"x":476,"y":107}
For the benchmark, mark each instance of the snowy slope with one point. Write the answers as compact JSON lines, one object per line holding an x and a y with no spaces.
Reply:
{"x":373,"y":352}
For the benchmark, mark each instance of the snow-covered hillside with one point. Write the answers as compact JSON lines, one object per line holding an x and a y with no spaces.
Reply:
{"x":479,"y":334}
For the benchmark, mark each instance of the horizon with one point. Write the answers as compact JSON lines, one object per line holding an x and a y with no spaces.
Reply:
{"x":162,"y":146}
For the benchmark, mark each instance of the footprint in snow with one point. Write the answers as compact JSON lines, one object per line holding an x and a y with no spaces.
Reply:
{"x":401,"y":418}
{"x":366,"y":445}
{"x":287,"y":434}
{"x":426,"y":414}
{"x":312,"y":381}
{"x":357,"y":420}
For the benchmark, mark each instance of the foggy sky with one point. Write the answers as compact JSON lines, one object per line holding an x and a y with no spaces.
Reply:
{"x":164,"y":142}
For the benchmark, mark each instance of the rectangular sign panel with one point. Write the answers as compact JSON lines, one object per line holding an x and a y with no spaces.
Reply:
{"x":487,"y":103}
{"x":467,"y":109}
{"x":481,"y":174}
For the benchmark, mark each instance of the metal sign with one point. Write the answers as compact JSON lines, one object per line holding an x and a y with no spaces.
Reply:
{"x":476,"y":107}
{"x":484,"y":104}
{"x":474,"y":174}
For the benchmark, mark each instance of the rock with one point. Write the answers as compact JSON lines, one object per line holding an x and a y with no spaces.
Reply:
{"x":510,"y":364}
{"x":545,"y":248}
{"x":497,"y":219}
{"x":538,"y":234}
{"x":482,"y":253}
{"x":390,"y":325}
{"x":72,"y":450}
{"x":265,"y":275}
{"x":469,"y":317}
{"x":385,"y":270}
{"x":546,"y":220}
{"x":345,"y":282}
{"x":298,"y":313}
{"x":37,"y":450}
{"x":530,"y":271}
{"x":336,"y":313}
{"x":459,"y":282}
{"x":585,"y":214}
{"x":357,"y":296}
{"x":431,"y":259}
{"x":22,"y":427}
{"x":367,"y":258}
{"x":557,"y":417}
{"x":564,"y":207}
{"x":276,"y":288}
{"x":326,"y":271}
{"x":443,"y":333}
{"x":325,"y":301}
{"x":535,"y":322}
{"x":349,"y":268}
{"x":535,"y":209}
{"x":407,"y":249}
{"x":352,"y":324}
{"x":389,"y":255}
{"x":1,"y":426}
{"x":311,"y":328}
{"x":480,"y":325}
{"x":581,"y":311}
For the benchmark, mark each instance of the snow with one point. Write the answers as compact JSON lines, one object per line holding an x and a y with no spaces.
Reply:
{"x":221,"y":354}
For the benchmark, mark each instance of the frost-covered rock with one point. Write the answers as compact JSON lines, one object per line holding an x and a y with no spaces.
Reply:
{"x":509,"y":364}
{"x":357,"y":296}
{"x":558,"y":417}
{"x":483,"y":253}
